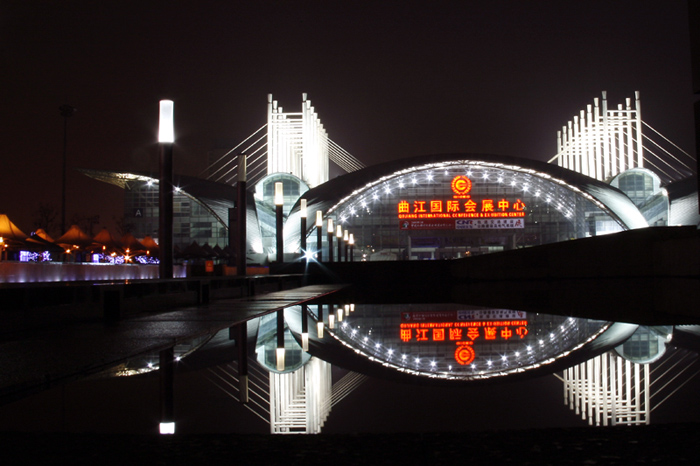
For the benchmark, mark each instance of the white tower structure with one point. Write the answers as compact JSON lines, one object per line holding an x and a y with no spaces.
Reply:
{"x":609,"y":390}
{"x":300,"y":401}
{"x":601,"y":142}
{"x":297,"y":143}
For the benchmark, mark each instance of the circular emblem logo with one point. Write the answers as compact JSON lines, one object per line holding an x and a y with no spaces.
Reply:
{"x":461,"y":184}
{"x":464,"y":354}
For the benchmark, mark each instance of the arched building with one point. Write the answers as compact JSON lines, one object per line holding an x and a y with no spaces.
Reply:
{"x":455,"y":205}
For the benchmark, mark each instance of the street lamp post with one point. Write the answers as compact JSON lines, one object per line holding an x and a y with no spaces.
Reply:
{"x":319,"y":235}
{"x":279,"y":204}
{"x":339,"y":235}
{"x":330,"y":234}
{"x":351,"y":242}
{"x":67,"y":111}
{"x":241,"y":212}
{"x":166,"y":138}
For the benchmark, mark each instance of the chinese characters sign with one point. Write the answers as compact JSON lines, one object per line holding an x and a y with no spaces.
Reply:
{"x":461,"y":206}
{"x":463,"y":328}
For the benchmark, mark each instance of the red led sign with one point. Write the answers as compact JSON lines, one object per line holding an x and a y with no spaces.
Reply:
{"x":461,"y":206}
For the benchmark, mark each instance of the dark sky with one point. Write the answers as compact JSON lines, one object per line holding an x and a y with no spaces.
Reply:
{"x":389,"y":79}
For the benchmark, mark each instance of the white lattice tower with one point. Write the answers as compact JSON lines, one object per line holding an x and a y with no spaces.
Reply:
{"x":301,"y":400}
{"x":609,"y":390}
{"x":601,"y":142}
{"x":297,"y":143}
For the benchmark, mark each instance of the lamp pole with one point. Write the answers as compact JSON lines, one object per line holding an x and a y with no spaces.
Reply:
{"x":241,"y":212}
{"x":67,"y":111}
{"x":351,"y":242}
{"x":319,"y":235}
{"x":330,"y":234}
{"x":339,"y":234}
{"x":279,"y":204}
{"x":166,"y":138}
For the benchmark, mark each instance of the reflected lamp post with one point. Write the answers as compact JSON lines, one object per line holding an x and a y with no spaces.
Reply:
{"x":302,"y":214}
{"x":305,"y":327}
{"x":319,"y":323}
{"x":67,"y":111}
{"x":280,"y":341}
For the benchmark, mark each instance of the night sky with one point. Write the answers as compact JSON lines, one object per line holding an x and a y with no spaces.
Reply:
{"x":389,"y":80}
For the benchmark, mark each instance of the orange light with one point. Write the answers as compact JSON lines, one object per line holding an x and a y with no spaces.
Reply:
{"x":461,"y":185}
{"x":464,"y":354}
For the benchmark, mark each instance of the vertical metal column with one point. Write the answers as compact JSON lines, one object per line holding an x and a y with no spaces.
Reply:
{"x":319,"y":235}
{"x":339,"y":236}
{"x":242,"y":244}
{"x":165,"y":190}
{"x":330,"y":233}
{"x":279,"y":221}
{"x":240,"y":334}
{"x":280,"y":340}
{"x":319,"y":323}
{"x":305,"y":327}
{"x":302,"y":213}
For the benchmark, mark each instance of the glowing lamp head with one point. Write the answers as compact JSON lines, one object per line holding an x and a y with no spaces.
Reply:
{"x":351,"y":239}
{"x":302,"y":208}
{"x":280,"y":359}
{"x":279,"y":193}
{"x":319,"y":329}
{"x":346,"y":238}
{"x":166,"y":130}
{"x":330,"y":226}
{"x":167,"y":428}
{"x":339,"y":231}
{"x":319,"y":219}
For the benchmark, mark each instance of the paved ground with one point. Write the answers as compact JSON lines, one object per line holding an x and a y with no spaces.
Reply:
{"x":670,"y":444}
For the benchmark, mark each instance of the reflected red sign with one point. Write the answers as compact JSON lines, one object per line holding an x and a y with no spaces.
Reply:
{"x":433,"y":327}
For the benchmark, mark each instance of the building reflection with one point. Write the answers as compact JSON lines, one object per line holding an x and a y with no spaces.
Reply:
{"x":612,"y":373}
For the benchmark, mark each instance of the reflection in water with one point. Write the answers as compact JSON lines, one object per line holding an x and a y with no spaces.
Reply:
{"x":458,"y":343}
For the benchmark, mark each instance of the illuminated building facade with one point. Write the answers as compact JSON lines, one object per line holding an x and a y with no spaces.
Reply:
{"x":456,"y":205}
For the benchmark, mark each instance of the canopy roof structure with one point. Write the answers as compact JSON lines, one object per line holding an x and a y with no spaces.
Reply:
{"x":75,"y":237}
{"x":9,"y":231}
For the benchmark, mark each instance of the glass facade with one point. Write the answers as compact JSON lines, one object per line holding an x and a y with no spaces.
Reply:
{"x":643,"y":187}
{"x":456,"y":209}
{"x":292,"y":188}
{"x":192,"y":221}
